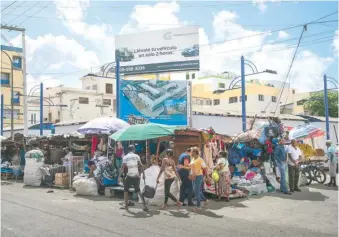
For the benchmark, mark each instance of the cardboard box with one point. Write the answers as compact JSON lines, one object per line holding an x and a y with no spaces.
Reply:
{"x":61,"y":179}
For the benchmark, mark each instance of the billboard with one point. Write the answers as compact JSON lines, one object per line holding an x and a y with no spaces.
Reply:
{"x":143,"y":101}
{"x":167,"y":50}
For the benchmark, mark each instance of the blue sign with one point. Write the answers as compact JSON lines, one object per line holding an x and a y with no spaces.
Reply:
{"x":154,"y":101}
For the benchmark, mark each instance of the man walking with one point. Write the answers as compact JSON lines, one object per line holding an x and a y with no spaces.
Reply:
{"x":332,"y":165}
{"x":132,"y":167}
{"x":280,"y":157}
{"x":294,"y":157}
{"x":184,"y":170}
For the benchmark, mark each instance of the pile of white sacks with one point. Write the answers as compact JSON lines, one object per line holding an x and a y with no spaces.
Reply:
{"x":32,"y":173}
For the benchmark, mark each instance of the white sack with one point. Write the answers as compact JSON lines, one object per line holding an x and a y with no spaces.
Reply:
{"x":273,"y":181}
{"x":80,"y":176}
{"x":32,"y":172}
{"x":159,"y":197}
{"x":86,"y":187}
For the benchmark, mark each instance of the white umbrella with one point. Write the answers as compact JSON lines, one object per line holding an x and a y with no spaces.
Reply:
{"x":106,"y":125}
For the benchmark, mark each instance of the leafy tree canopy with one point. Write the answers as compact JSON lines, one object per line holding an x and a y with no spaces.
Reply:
{"x":315,"y":104}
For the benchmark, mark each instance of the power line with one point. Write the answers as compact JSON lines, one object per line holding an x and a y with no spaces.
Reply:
{"x":22,"y":13}
{"x":155,"y":24}
{"x":8,"y":6}
{"x":34,"y":14}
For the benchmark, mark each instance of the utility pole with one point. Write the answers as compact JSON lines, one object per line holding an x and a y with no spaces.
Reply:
{"x":23,"y":61}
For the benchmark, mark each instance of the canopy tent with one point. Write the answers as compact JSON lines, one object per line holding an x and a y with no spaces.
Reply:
{"x":105,"y":125}
{"x":141,"y":132}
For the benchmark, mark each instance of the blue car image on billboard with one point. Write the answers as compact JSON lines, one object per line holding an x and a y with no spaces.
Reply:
{"x":191,"y":52}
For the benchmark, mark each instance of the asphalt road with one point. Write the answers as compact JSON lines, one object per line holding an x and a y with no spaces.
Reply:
{"x":28,"y":212}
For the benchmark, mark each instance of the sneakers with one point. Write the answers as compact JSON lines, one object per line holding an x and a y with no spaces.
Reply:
{"x":298,"y":190}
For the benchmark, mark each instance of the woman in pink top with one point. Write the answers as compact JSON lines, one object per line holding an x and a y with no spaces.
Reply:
{"x":169,"y":170}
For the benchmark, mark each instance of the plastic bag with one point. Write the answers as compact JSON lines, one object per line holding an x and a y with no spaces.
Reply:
{"x":159,"y":197}
{"x":86,"y":187}
{"x":273,"y":181}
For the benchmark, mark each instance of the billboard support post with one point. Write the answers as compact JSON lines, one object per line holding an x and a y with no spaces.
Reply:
{"x":117,"y":79}
{"x":2,"y":115}
{"x":190,"y":120}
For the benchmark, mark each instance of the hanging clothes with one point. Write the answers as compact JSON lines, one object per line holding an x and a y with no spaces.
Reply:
{"x":94,"y":144}
{"x":208,"y":158}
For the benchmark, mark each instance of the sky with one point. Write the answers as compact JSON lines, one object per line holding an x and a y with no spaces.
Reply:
{"x":66,"y":39}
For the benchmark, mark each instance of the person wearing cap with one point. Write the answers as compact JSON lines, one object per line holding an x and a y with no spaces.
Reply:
{"x":333,"y":163}
{"x":280,"y":157}
{"x":132,"y":167}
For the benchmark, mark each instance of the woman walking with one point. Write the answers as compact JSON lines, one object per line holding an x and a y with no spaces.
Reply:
{"x":197,"y":166}
{"x":224,"y":183}
{"x":169,"y":170}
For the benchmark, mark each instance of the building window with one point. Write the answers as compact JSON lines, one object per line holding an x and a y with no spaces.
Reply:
{"x":240,"y":98}
{"x":208,"y":102}
{"x":16,"y":98}
{"x":221,"y":85}
{"x":193,"y":75}
{"x":201,"y":102}
{"x":5,"y":79}
{"x":274,"y":99}
{"x":293,"y":91}
{"x":88,"y":87}
{"x":17,"y":62}
{"x":187,"y":76}
{"x":109,"y":88}
{"x":107,"y":102}
{"x":7,"y":113}
{"x":261,"y":97}
{"x":94,"y":87}
{"x":34,"y":118}
{"x":216,"y":102}
{"x":83,"y":100}
{"x":233,"y":100}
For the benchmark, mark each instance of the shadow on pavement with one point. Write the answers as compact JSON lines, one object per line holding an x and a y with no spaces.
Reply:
{"x":142,"y":214}
{"x":323,"y":187}
{"x":304,"y":195}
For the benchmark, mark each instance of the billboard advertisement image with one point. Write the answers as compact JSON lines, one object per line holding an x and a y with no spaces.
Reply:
{"x":143,"y":101}
{"x":167,"y":50}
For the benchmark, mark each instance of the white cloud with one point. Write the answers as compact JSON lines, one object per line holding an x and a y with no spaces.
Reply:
{"x":336,"y":43}
{"x":101,"y":36}
{"x":48,"y":52}
{"x":262,"y":4}
{"x":147,"y":17}
{"x":283,"y":35}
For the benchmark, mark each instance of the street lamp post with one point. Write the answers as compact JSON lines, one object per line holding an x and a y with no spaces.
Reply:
{"x":12,"y":95}
{"x":243,"y":95}
{"x":117,"y":87}
{"x":243,"y":85}
{"x":326,"y":104}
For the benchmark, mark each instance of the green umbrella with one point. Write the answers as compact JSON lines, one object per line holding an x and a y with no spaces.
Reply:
{"x":142,"y":132}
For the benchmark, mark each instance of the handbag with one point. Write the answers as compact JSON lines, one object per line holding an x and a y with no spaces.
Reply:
{"x":148,"y":191}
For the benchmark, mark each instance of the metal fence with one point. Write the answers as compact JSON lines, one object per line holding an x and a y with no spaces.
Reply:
{"x":74,"y":167}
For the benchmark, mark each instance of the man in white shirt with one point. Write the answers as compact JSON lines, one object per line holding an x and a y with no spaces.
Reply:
{"x":294,"y":157}
{"x":132,"y":167}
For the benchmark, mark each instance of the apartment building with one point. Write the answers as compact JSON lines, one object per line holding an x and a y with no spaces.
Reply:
{"x":96,"y":98}
{"x":262,"y":97}
{"x":14,"y":55}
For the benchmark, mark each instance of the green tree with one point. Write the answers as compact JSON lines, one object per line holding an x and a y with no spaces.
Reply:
{"x":315,"y":104}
